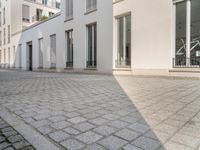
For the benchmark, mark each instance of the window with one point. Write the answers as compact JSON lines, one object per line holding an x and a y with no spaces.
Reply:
{"x":4,"y":15}
{"x":69,"y":9}
{"x":0,"y":18}
{"x":4,"y":36}
{"x":0,"y":38}
{"x":123,"y":41}
{"x":51,"y":14}
{"x":91,"y":5}
{"x":53,"y":51}
{"x":44,"y":2}
{"x":9,"y":57}
{"x":38,"y":14}
{"x":4,"y":57}
{"x":69,"y":38}
{"x":187,"y":52}
{"x":8,"y":33}
{"x":20,"y":55}
{"x":14,"y":56}
{"x":41,"y":46}
{"x":92,"y":46}
{"x":0,"y":57}
{"x":25,"y":13}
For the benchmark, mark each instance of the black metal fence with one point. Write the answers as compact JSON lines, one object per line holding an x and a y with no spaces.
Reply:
{"x":91,"y":64}
{"x":182,"y":62}
{"x":69,"y":64}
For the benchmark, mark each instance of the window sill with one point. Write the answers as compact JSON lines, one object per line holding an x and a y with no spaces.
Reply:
{"x":68,"y":19}
{"x":117,"y":1}
{"x":90,"y":11}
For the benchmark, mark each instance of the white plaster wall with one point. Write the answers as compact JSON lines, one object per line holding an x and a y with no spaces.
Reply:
{"x":14,"y":19}
{"x":151,"y":32}
{"x":58,"y":26}
{"x":103,"y":18}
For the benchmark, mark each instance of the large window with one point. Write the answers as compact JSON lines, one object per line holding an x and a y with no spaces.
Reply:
{"x":9,"y":57}
{"x":41,"y":49}
{"x":14,"y":56}
{"x":4,"y":15}
{"x":181,"y":33}
{"x":187,"y":52}
{"x":92,"y":46}
{"x":8,"y":33}
{"x":123,"y":41}
{"x":69,"y":38}
{"x":91,"y":5}
{"x":195,"y":32}
{"x":53,"y":51}
{"x":69,"y":9}
{"x":20,"y":55}
{"x":25,"y":13}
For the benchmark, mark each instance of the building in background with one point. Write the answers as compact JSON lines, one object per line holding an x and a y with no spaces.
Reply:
{"x":137,"y":37}
{"x":16,"y":15}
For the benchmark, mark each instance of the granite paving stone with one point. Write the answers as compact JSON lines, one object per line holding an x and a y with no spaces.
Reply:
{"x":102,"y":111}
{"x":113,"y":143}
{"x":89,"y":137}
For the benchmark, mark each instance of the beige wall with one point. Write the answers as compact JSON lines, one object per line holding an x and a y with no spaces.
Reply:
{"x":152,"y":36}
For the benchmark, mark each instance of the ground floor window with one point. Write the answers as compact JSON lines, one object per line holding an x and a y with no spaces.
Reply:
{"x":53,"y":51}
{"x":14,"y":56}
{"x":123,"y":41}
{"x":92,"y":46}
{"x":69,"y":54}
{"x":9,"y":57}
{"x":187,"y":53}
{"x":20,"y":55}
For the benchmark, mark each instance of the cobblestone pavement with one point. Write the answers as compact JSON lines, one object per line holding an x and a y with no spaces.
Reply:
{"x":99,"y":112}
{"x":10,"y":139}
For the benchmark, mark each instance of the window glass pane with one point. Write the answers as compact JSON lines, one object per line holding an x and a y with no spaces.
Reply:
{"x":120,"y":38}
{"x":181,"y":33}
{"x":128,"y":40}
{"x":195,"y":32}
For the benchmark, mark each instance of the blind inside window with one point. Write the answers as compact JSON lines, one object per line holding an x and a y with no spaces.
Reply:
{"x":69,"y":9}
{"x":25,"y":12}
{"x":91,"y":5}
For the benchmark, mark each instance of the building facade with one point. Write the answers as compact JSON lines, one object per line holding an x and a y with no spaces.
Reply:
{"x":137,"y":37}
{"x":16,"y":15}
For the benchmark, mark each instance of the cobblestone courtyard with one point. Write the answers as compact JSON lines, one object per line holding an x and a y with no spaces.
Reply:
{"x":100,"y":112}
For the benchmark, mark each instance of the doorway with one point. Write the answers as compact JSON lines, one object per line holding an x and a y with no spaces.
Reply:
{"x":30,"y":58}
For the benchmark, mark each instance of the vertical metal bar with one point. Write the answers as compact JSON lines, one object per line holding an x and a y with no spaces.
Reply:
{"x":188,"y":32}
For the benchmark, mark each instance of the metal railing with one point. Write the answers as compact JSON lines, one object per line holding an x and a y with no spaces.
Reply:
{"x":91,"y":64}
{"x":122,"y":63}
{"x":182,"y":62}
{"x":69,"y":64}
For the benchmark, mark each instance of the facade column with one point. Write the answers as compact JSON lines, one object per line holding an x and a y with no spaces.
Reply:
{"x":188,"y":32}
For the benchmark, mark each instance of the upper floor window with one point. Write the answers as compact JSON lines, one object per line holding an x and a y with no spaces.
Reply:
{"x":4,"y":15}
{"x":25,"y":13}
{"x":91,"y":5}
{"x":44,"y":2}
{"x":38,"y":14}
{"x":8,"y":33}
{"x":69,"y":9}
{"x":0,"y":19}
{"x":4,"y":36}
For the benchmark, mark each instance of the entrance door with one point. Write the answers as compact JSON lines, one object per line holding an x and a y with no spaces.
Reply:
{"x":30,"y":58}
